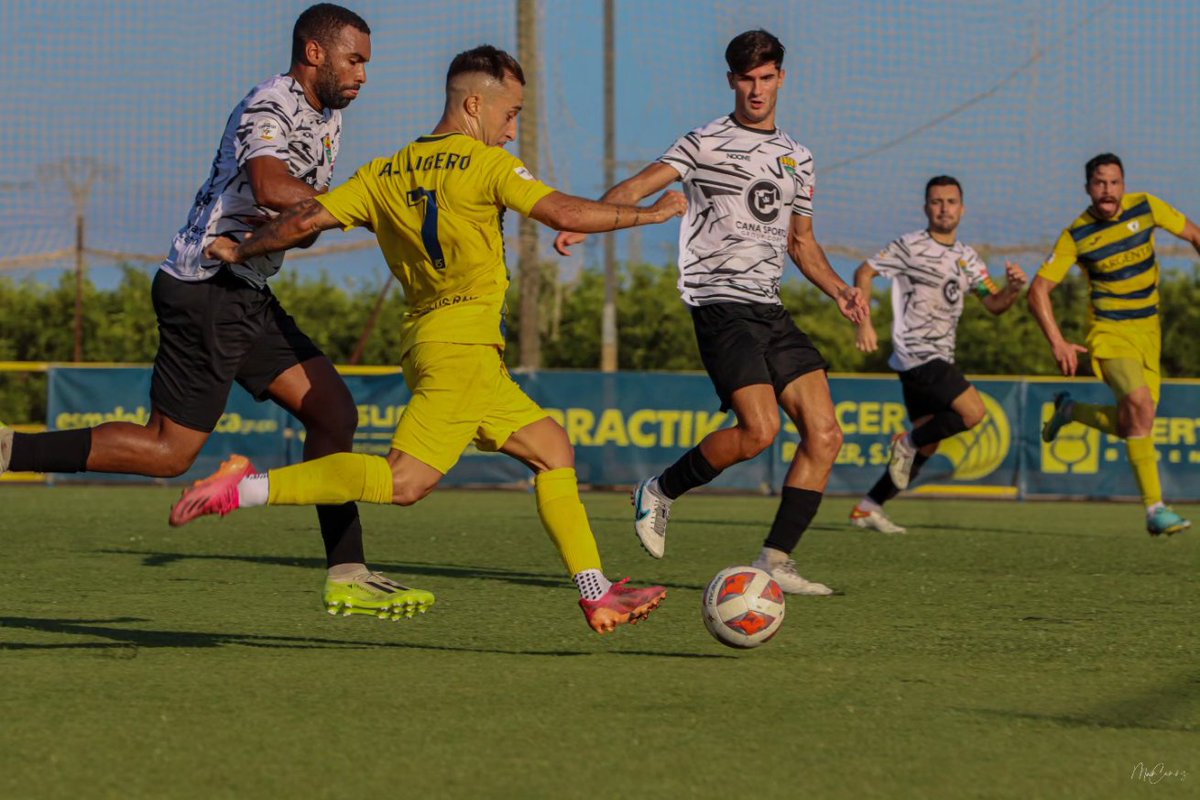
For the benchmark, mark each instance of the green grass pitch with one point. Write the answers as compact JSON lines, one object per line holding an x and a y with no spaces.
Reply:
{"x":998,"y":650}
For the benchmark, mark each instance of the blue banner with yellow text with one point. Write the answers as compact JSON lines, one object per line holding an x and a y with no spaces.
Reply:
{"x":626,"y":426}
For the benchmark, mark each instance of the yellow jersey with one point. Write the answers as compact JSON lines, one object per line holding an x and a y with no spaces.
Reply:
{"x":437,"y":209}
{"x":1118,"y":257}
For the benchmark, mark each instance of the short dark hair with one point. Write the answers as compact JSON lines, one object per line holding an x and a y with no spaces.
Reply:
{"x":1102,"y":160}
{"x":486,"y":59}
{"x":942,"y":180}
{"x":752,"y":49}
{"x":322,"y":23}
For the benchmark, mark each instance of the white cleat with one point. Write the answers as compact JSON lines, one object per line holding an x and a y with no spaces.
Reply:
{"x":874,"y":520}
{"x":789,"y":580}
{"x":651,"y":512}
{"x":901,"y":460}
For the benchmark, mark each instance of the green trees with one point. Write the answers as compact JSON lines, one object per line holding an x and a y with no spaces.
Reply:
{"x":655,"y":327}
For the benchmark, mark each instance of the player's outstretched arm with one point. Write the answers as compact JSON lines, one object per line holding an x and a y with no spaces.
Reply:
{"x":807,"y":254}
{"x":1004,"y":299}
{"x":565,"y":212}
{"x":1191,"y":234}
{"x":866,"y":340}
{"x":629,"y":192}
{"x":298,"y":223}
{"x":1065,"y":353}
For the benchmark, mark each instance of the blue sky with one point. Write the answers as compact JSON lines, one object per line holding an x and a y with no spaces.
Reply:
{"x":1011,"y":97}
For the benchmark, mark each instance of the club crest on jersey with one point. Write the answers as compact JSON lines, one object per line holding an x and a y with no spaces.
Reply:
{"x":763,"y":201}
{"x":952,"y":291}
{"x":788,"y":163}
{"x":267,"y":129}
{"x":1134,"y":226}
{"x":327,"y":142}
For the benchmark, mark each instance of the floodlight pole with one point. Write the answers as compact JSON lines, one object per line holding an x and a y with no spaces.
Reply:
{"x":78,"y":175}
{"x":80,"y":265}
{"x":608,"y":318}
{"x":529,"y":272}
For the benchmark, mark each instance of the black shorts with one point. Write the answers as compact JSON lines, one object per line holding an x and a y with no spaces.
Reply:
{"x":931,"y":387}
{"x":742,"y":344}
{"x":211,"y":333}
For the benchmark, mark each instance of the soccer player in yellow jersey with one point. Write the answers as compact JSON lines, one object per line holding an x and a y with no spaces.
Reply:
{"x":1113,"y":242}
{"x":436,"y":209}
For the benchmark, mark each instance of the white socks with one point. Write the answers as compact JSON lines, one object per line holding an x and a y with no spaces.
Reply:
{"x":346,"y":573}
{"x":592,"y":584}
{"x":254,"y":490}
{"x":773,"y":557}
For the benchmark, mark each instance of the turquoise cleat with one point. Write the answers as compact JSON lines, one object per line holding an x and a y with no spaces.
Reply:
{"x":1164,"y":520}
{"x":1060,"y":417}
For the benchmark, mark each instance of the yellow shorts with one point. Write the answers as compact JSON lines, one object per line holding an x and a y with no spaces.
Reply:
{"x":1121,"y":342}
{"x":461,"y":393}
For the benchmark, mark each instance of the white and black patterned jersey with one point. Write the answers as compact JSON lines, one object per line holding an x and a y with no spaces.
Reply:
{"x":929,"y":280}
{"x":742,"y":187}
{"x":276,"y":120}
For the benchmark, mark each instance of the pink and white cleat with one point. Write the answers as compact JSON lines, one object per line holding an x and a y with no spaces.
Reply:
{"x":621,"y":604}
{"x":216,"y":494}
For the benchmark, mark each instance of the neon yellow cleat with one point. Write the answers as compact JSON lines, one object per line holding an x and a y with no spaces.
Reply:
{"x":377,"y":595}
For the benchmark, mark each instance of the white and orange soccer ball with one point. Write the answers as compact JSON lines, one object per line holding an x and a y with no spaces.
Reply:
{"x":743,"y":607}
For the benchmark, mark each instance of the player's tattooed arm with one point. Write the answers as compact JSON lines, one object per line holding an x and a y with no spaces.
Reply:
{"x":565,"y":212}
{"x":628,"y":192}
{"x":292,"y":227}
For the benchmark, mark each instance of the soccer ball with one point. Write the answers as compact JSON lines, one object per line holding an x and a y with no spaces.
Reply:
{"x":743,"y":607}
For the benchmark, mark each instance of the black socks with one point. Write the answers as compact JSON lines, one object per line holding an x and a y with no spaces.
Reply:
{"x":885,"y":490}
{"x":342,"y":531}
{"x":54,"y":451}
{"x":691,"y":470}
{"x":941,"y":425}
{"x":797,"y":507}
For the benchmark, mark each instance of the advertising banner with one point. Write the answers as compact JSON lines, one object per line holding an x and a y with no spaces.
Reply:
{"x":630,"y":425}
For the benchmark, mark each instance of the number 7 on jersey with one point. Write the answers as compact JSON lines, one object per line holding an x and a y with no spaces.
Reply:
{"x":429,"y":226}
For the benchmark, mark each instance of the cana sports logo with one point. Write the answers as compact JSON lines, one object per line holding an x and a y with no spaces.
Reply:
{"x":980,"y":451}
{"x":763,"y":200}
{"x":952,"y":290}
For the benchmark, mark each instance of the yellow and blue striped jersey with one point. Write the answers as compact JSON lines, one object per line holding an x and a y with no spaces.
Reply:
{"x":1118,"y":256}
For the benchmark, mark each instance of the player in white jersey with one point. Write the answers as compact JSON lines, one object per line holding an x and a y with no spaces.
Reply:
{"x":219,"y":324}
{"x":931,"y":271}
{"x":750,"y":190}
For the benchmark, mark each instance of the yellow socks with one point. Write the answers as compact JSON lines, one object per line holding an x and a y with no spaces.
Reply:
{"x":332,"y":480}
{"x":1103,"y":418}
{"x":565,"y":519}
{"x":1144,"y":460}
